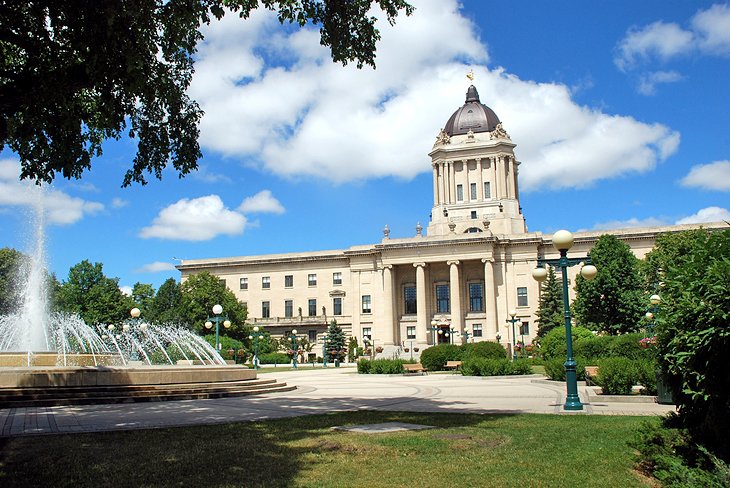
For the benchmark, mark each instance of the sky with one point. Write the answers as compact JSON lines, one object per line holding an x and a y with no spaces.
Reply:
{"x":619,"y":110}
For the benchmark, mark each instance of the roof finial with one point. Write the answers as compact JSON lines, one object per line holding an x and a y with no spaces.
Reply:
{"x":470,"y":75}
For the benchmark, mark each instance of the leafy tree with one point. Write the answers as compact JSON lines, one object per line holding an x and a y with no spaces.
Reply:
{"x":614,"y":301}
{"x":203,"y":290}
{"x":336,"y":341}
{"x":550,"y":313}
{"x":143,"y":294}
{"x":693,"y":333}
{"x":167,"y":304}
{"x":10,"y":261}
{"x":114,"y":64}
{"x":96,"y":298}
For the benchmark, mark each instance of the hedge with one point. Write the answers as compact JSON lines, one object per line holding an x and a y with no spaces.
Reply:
{"x":381,"y":366}
{"x":274,"y":358}
{"x":476,"y":366}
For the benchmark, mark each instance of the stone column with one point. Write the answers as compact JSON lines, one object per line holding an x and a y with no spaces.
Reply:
{"x":435,"y":185}
{"x":480,"y":180}
{"x":490,"y":298}
{"x":388,"y":317}
{"x":493,"y":173}
{"x":421,"y":310}
{"x":452,"y":183}
{"x":457,"y":316}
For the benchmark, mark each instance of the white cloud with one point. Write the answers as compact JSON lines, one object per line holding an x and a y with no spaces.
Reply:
{"x":630,"y":223}
{"x":198,"y":219}
{"x":708,"y":34}
{"x":712,"y":176}
{"x":649,"y":81}
{"x":713,"y":29}
{"x":59,"y":207}
{"x":706,"y":215}
{"x":156,"y":267}
{"x":119,"y":202}
{"x":127,"y":290}
{"x":206,"y":176}
{"x":277,"y":102}
{"x":262,"y":202}
{"x":659,"y":39}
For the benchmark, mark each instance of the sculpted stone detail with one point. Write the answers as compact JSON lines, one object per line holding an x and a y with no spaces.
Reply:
{"x":386,"y":232}
{"x":442,"y":138}
{"x":499,"y":133}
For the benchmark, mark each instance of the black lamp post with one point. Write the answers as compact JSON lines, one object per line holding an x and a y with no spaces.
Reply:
{"x":294,"y":347}
{"x":324,"y":350}
{"x":512,"y":320}
{"x":563,"y":241}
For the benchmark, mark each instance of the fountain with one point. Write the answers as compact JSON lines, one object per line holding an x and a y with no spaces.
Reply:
{"x":56,"y":358}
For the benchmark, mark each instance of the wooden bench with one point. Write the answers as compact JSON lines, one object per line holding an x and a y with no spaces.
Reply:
{"x":591,"y":372}
{"x":414,"y":368}
{"x":453,"y":365}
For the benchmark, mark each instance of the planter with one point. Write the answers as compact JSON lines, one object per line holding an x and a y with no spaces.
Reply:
{"x":415,"y":349}
{"x":378,"y":349}
{"x":407,"y":350}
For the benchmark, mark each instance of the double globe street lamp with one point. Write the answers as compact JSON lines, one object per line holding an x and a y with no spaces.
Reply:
{"x":512,"y":320}
{"x":217,"y":318}
{"x":294,"y":347}
{"x":563,"y":241}
{"x":255,"y":336}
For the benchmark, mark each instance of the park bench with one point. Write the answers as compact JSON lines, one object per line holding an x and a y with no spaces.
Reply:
{"x":414,"y":368}
{"x":591,"y":372}
{"x":453,"y":365}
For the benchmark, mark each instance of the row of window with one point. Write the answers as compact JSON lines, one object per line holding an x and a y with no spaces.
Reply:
{"x":443,"y":298}
{"x":289,"y":281}
{"x":312,"y":307}
{"x":476,"y":330}
{"x":443,"y":301}
{"x":473,"y":191}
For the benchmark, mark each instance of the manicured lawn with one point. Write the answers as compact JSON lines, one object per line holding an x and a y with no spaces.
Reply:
{"x":463,"y":451}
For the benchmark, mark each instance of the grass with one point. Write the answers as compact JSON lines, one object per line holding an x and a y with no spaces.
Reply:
{"x":464,"y":450}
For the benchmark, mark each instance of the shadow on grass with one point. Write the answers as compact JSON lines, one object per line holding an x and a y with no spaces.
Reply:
{"x":271,"y":453}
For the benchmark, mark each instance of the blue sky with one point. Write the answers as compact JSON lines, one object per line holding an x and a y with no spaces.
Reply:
{"x":619,"y":111}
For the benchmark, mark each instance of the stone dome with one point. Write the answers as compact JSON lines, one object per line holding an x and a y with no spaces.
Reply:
{"x":473,"y":115}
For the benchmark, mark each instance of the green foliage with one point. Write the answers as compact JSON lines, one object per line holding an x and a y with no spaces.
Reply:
{"x":614,"y":301}
{"x":479,"y":366}
{"x":381,"y":366}
{"x":553,"y":344}
{"x":10,"y":261}
{"x":550,"y":313}
{"x":693,"y":333}
{"x":484,"y":349}
{"x":274,"y":358}
{"x":646,"y":371}
{"x":555,"y":369}
{"x":200,"y":292}
{"x":336,"y":342}
{"x":96,"y":298}
{"x":143,"y":294}
{"x":594,"y":347}
{"x":227,"y":343}
{"x":616,"y":376}
{"x":166,"y":306}
{"x":434,"y":358}
{"x":671,"y":456}
{"x":117,"y":64}
{"x":628,"y":346}
{"x":352,"y":349}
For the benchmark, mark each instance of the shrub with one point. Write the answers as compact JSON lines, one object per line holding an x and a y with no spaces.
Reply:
{"x":671,"y":456}
{"x":363,"y":366}
{"x":476,"y":366}
{"x":553,"y":344}
{"x":434,"y":358}
{"x":274,"y":358}
{"x":484,"y":349}
{"x":594,"y":347}
{"x":555,"y":369}
{"x":627,"y":346}
{"x":646,"y":370}
{"x":387,"y":366}
{"x":616,"y":375}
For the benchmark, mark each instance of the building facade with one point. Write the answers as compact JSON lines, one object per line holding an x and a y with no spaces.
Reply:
{"x":456,"y":283}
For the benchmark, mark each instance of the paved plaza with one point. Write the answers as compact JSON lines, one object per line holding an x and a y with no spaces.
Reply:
{"x":323,"y":391}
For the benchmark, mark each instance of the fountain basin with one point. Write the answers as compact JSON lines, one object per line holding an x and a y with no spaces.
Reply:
{"x":50,"y":358}
{"x":60,"y":376}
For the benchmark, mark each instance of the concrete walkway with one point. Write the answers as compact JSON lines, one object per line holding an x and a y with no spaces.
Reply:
{"x":323,"y":391}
